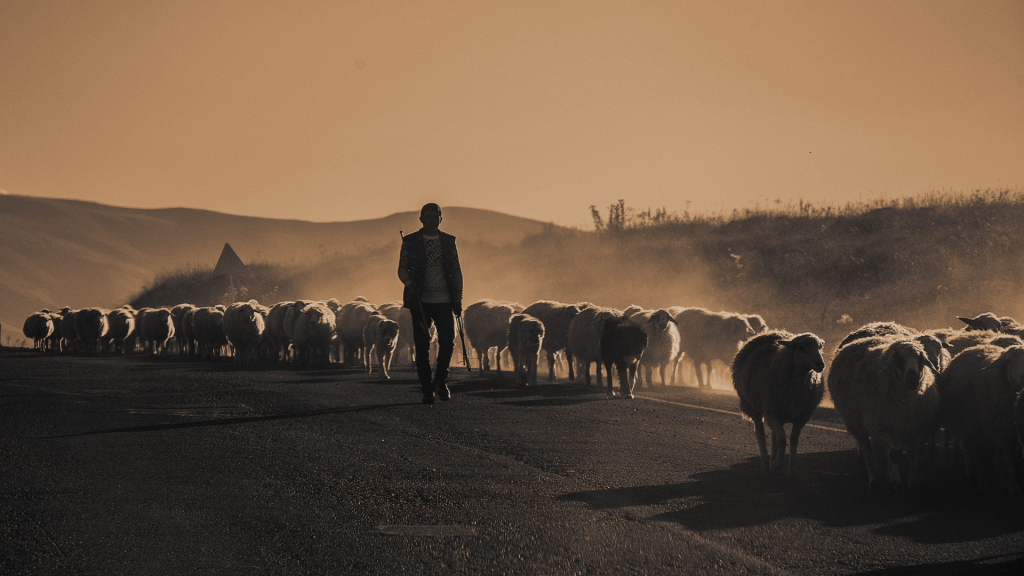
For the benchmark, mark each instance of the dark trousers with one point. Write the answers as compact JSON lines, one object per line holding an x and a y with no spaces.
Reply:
{"x":443,"y":317}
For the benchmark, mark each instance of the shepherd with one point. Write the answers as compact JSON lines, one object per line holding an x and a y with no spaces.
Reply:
{"x":430,"y":270}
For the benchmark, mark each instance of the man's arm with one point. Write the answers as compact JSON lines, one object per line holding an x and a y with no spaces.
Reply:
{"x":403,"y":266}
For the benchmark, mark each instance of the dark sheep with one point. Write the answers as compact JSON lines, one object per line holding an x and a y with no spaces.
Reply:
{"x":622,"y":344}
{"x":777,"y":377}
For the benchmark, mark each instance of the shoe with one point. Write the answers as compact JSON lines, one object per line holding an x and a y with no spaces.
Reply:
{"x":428,"y":398}
{"x":443,"y":392}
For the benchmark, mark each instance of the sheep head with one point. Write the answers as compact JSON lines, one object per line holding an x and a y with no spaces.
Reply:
{"x":1011,"y":360}
{"x":806,"y":349}
{"x":909,"y":360}
{"x":936,"y":350}
{"x":661,"y":319}
{"x":985,"y":321}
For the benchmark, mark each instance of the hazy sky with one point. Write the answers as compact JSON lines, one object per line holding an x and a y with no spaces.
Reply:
{"x":344,"y":110}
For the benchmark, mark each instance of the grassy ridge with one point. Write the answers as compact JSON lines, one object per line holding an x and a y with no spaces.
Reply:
{"x":920,"y":261}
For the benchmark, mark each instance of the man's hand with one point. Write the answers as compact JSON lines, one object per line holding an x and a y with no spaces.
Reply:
{"x":457,"y":308}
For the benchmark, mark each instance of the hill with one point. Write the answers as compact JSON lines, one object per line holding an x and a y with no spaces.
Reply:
{"x":56,"y":253}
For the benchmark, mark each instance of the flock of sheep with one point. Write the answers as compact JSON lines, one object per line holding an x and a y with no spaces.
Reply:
{"x":900,"y":392}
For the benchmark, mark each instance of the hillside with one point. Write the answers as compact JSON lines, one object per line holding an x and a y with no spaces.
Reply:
{"x":56,"y":253}
{"x":828,"y":271}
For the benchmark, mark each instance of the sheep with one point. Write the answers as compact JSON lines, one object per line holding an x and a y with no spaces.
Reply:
{"x":632,"y":309}
{"x":622,"y":343}
{"x":662,"y":343}
{"x":1018,"y":418}
{"x":157,"y":328}
{"x":380,"y":338}
{"x":705,"y":336}
{"x":177,"y":314}
{"x":350,"y":320}
{"x":556,"y":318}
{"x":960,"y":341}
{"x":585,"y":333}
{"x":486,"y":326}
{"x":68,"y":333}
{"x":984,"y":321}
{"x":977,"y":392}
{"x":877,"y":329}
{"x":122,"y":327}
{"x":38,"y":327}
{"x":274,"y":331}
{"x":777,"y":376}
{"x":208,"y":330}
{"x":757,"y":323}
{"x":243,"y":327}
{"x":525,"y":337}
{"x":313,"y":332}
{"x":888,"y":401}
{"x":92,"y":326}
{"x":936,"y":348}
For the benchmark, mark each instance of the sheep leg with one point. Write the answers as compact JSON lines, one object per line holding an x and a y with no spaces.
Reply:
{"x":761,"y":444}
{"x":778,"y":443}
{"x":532,"y":372}
{"x":608,"y":367}
{"x":698,"y":368}
{"x":551,"y":367}
{"x":627,"y":375}
{"x":1008,"y":476}
{"x":794,"y":439}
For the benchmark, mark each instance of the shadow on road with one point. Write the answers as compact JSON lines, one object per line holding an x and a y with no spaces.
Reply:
{"x":988,"y":566}
{"x":234,"y":421}
{"x":829,"y":487}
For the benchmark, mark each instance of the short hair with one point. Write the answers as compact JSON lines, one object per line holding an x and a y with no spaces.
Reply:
{"x":431,"y":208}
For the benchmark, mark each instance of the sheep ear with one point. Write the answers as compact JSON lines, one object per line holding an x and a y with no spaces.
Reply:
{"x":927,"y":362}
{"x":971,"y":323}
{"x":673,"y":320}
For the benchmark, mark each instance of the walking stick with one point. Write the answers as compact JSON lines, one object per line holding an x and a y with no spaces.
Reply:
{"x":462,"y":336}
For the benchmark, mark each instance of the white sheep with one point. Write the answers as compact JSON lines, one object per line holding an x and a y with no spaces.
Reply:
{"x":122,"y":327}
{"x":777,"y":376}
{"x":380,"y":339}
{"x":313,"y":333}
{"x":706,"y":336}
{"x":936,"y":348}
{"x":243,"y":327}
{"x":883,"y":388}
{"x":556,"y":318}
{"x":486,"y":326}
{"x":662,"y":343}
{"x":38,"y":327}
{"x":525,"y":336}
{"x":177,"y":315}
{"x":977,"y":392}
{"x":350,"y":320}
{"x":585,"y":332}
{"x":275,"y":334}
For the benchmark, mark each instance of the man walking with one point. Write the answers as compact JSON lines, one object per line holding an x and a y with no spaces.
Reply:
{"x":429,"y":268}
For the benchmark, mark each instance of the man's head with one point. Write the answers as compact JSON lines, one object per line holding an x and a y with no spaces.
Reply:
{"x":430,"y":217}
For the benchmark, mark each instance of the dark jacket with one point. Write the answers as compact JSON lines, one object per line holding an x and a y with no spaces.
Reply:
{"x":413,"y":261}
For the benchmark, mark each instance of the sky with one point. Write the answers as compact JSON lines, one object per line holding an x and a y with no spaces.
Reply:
{"x":347,"y":110}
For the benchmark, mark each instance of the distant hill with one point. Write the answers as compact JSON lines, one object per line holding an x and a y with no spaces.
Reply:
{"x":56,"y":253}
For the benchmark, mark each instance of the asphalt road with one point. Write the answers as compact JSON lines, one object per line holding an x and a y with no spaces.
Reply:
{"x":136,"y":465}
